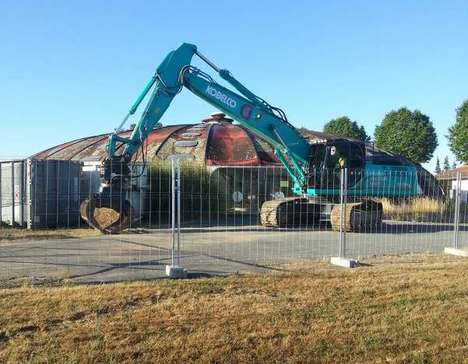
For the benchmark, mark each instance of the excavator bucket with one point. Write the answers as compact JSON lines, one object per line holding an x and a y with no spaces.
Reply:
{"x":106,"y":215}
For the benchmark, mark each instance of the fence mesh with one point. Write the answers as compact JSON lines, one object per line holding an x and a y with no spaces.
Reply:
{"x":221,"y":228}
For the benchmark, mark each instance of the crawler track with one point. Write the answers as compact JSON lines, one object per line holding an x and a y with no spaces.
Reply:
{"x":359,"y":216}
{"x":300,"y":212}
{"x":289,"y":212}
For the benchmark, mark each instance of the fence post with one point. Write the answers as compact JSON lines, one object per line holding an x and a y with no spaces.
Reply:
{"x":341,"y":259}
{"x":343,"y":200}
{"x":178,"y":183}
{"x":173,"y":210}
{"x":21,"y":193}
{"x":175,"y":270}
{"x":1,"y":199}
{"x":57,"y":193}
{"x":456,"y":218}
{"x":28,"y":194}
{"x":455,"y":250}
{"x":13,"y":218}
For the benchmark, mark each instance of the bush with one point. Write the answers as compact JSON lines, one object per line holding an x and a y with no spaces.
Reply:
{"x":202,"y":193}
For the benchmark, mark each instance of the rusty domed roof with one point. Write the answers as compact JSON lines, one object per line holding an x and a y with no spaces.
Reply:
{"x":214,"y":141}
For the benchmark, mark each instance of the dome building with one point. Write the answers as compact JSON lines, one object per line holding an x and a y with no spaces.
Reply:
{"x":213,"y":142}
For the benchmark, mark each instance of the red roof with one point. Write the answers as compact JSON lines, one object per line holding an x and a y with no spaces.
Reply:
{"x":452,"y":173}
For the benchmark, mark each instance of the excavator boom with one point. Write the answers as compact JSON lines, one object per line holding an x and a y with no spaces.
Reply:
{"x":176,"y":72}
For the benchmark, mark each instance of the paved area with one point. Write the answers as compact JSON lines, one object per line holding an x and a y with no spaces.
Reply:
{"x":205,"y":251}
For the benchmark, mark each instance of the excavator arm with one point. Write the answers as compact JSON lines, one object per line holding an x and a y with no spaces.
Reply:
{"x":172,"y":75}
{"x":264,"y":120}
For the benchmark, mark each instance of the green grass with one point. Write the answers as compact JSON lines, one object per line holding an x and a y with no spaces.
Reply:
{"x":403,"y":310}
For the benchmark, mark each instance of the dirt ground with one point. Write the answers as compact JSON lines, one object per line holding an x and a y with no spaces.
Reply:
{"x":411,"y":309}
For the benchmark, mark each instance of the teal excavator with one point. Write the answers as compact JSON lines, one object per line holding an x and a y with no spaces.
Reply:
{"x":314,"y":167}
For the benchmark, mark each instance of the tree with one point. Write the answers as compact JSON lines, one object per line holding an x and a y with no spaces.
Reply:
{"x":446,"y":164}
{"x":437,"y":166}
{"x":408,"y":133}
{"x":345,"y":127}
{"x":458,"y":134}
{"x":454,"y":165}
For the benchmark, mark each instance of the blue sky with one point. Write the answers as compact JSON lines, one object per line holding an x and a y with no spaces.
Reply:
{"x":72,"y":68}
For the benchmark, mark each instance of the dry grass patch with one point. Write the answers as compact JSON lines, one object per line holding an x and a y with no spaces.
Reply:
{"x":414,"y":310}
{"x":422,"y":209}
{"x":9,"y":233}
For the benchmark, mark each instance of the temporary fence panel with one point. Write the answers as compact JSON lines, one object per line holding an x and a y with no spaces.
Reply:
{"x":48,"y":193}
{"x":12,"y":193}
{"x":221,"y":220}
{"x":221,"y":229}
{"x":422,"y":222}
{"x":461,"y":233}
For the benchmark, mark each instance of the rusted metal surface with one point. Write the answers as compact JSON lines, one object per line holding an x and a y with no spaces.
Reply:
{"x":213,"y":142}
{"x":230,"y":145}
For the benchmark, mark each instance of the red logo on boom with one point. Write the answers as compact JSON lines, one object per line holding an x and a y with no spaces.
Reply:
{"x":246,"y":110}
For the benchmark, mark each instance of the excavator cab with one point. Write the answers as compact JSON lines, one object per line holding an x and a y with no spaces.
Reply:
{"x":328,"y":158}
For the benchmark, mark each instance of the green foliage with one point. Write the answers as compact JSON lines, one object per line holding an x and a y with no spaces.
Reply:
{"x":201,"y":192}
{"x":408,"y":133}
{"x":344,"y":126}
{"x":446,"y":164}
{"x":437,"y":167}
{"x":458,"y":134}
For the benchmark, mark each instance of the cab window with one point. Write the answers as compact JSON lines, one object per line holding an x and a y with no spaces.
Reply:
{"x":345,"y":155}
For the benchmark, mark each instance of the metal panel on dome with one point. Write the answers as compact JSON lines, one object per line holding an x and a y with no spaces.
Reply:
{"x":230,"y":145}
{"x":177,"y":144}
{"x":190,"y":135}
{"x":186,"y":143}
{"x":156,"y":139}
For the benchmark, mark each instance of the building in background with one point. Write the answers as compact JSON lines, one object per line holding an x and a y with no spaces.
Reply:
{"x":449,"y":179}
